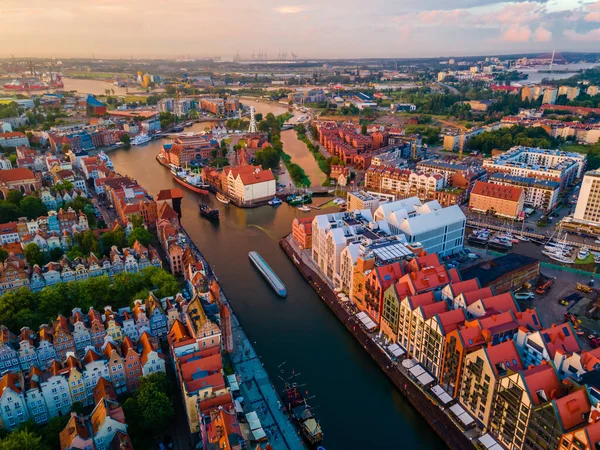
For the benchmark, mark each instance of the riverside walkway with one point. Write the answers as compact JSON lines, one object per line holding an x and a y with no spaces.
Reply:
{"x":255,"y":386}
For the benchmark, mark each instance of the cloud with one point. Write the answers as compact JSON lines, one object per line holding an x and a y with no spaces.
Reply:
{"x":290,"y":9}
{"x":541,"y":34}
{"x":517,"y":33}
{"x":594,"y":12}
{"x":590,"y":36}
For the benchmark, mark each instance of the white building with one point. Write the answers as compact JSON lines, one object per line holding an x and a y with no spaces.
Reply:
{"x":554,"y":165}
{"x":588,"y":202}
{"x":13,"y":139}
{"x":247,"y":184}
{"x":57,"y":396}
{"x":13,"y":408}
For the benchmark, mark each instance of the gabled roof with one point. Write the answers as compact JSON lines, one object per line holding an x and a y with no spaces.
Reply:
{"x":464,"y":286}
{"x":423,"y":299}
{"x":432,"y":309}
{"x":450,"y":320}
{"x":500,"y":303}
{"x":573,"y":408}
{"x":560,"y":338}
{"x":75,"y":427}
{"x":504,"y":355}
{"x":542,"y":379}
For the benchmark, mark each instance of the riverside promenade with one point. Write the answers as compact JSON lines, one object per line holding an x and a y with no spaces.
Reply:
{"x":441,"y":423}
{"x":257,"y":390}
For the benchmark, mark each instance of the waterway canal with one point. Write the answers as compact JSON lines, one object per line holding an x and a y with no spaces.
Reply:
{"x":357,"y":406}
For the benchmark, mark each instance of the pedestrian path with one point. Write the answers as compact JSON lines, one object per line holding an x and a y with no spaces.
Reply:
{"x":260,"y":395}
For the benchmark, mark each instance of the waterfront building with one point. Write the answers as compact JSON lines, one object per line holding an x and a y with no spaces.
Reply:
{"x":497,"y":199}
{"x":483,"y":369}
{"x":553,"y":165}
{"x":435,"y":331}
{"x":247,"y":185}
{"x":587,"y":210}
{"x":539,"y":194}
{"x":302,"y":232}
{"x":370,"y":284}
{"x":20,"y":179}
{"x":362,"y":200}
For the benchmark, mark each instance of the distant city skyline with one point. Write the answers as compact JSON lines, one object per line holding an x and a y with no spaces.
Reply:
{"x":309,"y":28}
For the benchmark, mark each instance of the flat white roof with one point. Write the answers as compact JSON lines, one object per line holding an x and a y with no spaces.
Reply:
{"x":396,"y":350}
{"x":424,"y":379}
{"x":417,"y":370}
{"x":489,"y":442}
{"x":441,"y":394}
{"x":366,"y":321}
{"x":461,"y":414}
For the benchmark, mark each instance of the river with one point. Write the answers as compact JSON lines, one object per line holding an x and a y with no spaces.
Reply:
{"x":356,"y":404}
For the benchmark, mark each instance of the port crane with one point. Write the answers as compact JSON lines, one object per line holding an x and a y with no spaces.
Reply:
{"x":463,"y":131}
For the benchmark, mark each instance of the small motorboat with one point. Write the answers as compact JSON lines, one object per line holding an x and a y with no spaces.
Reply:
{"x":304,"y":208}
{"x":583,"y":253}
{"x":522,"y":238}
{"x":275,"y":201}
{"x":222,"y":198}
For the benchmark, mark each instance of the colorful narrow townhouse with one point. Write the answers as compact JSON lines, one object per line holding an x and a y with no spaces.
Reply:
{"x":9,"y":357}
{"x":157,"y":317}
{"x":56,"y":392}
{"x":97,"y":329}
{"x":46,"y":350}
{"x":34,"y":398}
{"x":94,"y":367}
{"x":435,"y":331}
{"x":483,"y":369}
{"x":141,"y":318}
{"x":152,"y":361}
{"x":81,"y":333}
{"x":132,"y":363}
{"x":63,"y":339}
{"x":116,"y":367}
{"x":72,"y":369}
{"x":13,"y":409}
{"x":28,"y":354}
{"x":114,"y":332}
{"x":128,"y":321}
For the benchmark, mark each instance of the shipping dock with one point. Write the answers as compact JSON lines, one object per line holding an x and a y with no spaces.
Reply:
{"x":268,"y":273}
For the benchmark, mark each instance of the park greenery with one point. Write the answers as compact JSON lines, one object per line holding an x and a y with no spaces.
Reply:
{"x":22,"y":307}
{"x":592,"y":152}
{"x":505,"y":138}
{"x":150,"y":410}
{"x":272,"y":126}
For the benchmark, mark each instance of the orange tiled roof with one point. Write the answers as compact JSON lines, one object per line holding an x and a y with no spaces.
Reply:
{"x":18,"y":174}
{"x":572,"y":408}
{"x":560,"y":337}
{"x":504,"y":354}
{"x":499,"y":191}
{"x":450,"y":320}
{"x":75,"y":427}
{"x":500,"y":303}
{"x":542,"y":378}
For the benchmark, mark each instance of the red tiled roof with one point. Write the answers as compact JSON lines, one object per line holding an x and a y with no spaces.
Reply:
{"x":572,"y":408}
{"x":426,"y":298}
{"x":21,"y":173}
{"x":499,"y":191}
{"x":465,"y":286}
{"x":506,"y":354}
{"x":250,"y":174}
{"x":560,"y":337}
{"x":500,"y":303}
{"x":433,"y":309}
{"x":542,"y":378}
{"x":472,"y":296}
{"x":450,"y":320}
{"x":168,"y":194}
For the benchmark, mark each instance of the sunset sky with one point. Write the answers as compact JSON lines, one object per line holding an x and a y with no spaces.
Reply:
{"x":310,"y":28}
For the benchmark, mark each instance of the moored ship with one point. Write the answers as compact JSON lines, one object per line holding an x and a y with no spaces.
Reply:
{"x":268,"y":273}
{"x":222,"y":198}
{"x":300,"y":412}
{"x":141,"y":139}
{"x":25,"y":85}
{"x":208,"y":212}
{"x":192,"y":181}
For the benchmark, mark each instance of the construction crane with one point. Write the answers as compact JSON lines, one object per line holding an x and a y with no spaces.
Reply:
{"x":463,"y":130}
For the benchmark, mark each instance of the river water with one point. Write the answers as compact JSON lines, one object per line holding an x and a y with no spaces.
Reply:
{"x":357,"y":406}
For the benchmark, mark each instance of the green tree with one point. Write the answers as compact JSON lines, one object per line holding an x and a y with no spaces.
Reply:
{"x":23,"y":440}
{"x":137,"y":221}
{"x":156,"y":409}
{"x":34,"y":255}
{"x":140,"y":234}
{"x":51,"y":431}
{"x":115,"y":237}
{"x":33,"y":207}
{"x":56,"y":253}
{"x":267,"y":158}
{"x":14,"y":197}
{"x":63,"y":185}
{"x":3,"y":254}
{"x":9,"y":212}
{"x":171,"y":90}
{"x":126,"y":140}
{"x":66,"y":147}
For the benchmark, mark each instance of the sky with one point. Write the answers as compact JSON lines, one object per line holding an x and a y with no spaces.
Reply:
{"x":309,"y":28}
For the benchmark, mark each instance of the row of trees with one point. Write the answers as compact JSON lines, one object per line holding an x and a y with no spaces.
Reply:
{"x":25,"y":308}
